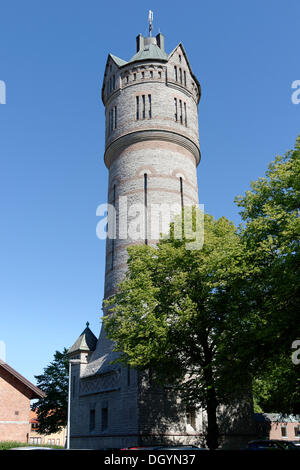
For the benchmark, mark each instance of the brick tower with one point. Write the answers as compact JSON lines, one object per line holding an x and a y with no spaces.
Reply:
{"x":151,"y":153}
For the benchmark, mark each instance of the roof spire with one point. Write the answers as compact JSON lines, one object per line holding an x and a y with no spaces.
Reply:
{"x":150,"y":18}
{"x":87,"y":324}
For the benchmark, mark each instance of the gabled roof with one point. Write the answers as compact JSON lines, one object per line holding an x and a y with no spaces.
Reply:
{"x":86,"y":342}
{"x":33,"y":391}
{"x":117,"y":60}
{"x":188,"y":63}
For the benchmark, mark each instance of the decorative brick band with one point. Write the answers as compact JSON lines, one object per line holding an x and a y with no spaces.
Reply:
{"x":124,"y":141}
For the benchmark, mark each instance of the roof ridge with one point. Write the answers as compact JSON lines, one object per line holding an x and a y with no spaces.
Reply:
{"x":22,"y":379}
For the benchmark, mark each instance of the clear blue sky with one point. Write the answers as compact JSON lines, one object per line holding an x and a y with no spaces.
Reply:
{"x":52,"y":57}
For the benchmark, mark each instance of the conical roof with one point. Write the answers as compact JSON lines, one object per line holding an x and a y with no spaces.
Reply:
{"x":86,"y":342}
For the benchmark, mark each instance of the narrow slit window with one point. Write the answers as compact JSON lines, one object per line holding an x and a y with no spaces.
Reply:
{"x":150,"y":106}
{"x":181,"y":191}
{"x":146,"y":206}
{"x":176,"y":110}
{"x":151,"y":74}
{"x":114,"y":228}
{"x":175,"y":73}
{"x":134,"y":76}
{"x":144,"y":106}
{"x":137,"y":108}
{"x":185,"y":115}
{"x":74,"y":386}
{"x":114,"y":82}
{"x":143,"y":74}
{"x":180,"y":104}
{"x":111,"y":120}
{"x":128,"y":376}
{"x":184,"y":77}
{"x":115,"y":117}
{"x":180,"y":75}
{"x":92,"y":419}
{"x":104,"y":419}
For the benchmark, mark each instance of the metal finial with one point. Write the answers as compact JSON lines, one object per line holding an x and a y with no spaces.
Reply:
{"x":87,"y":324}
{"x":150,"y":18}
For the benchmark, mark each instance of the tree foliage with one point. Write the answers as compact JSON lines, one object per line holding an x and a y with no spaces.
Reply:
{"x":52,"y":409}
{"x":178,"y":312}
{"x":209,"y":319}
{"x":270,"y":212}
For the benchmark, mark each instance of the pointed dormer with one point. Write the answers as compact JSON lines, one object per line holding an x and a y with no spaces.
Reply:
{"x":83,"y":346}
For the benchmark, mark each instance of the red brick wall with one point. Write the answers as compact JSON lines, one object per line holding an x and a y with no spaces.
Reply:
{"x":14,"y":409}
{"x":275,"y":431}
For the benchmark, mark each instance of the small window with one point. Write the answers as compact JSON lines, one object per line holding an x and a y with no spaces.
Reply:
{"x":151,"y":74}
{"x":92,"y":419}
{"x":176,"y":111}
{"x":115,"y":123}
{"x":143,"y":74}
{"x":180,"y":75}
{"x":137,"y":108}
{"x":128,"y":376}
{"x":127,"y":79}
{"x":297,"y":431}
{"x":180,"y":104}
{"x":283,"y":431}
{"x":191,"y":418}
{"x":104,"y":419}
{"x":150,"y":106}
{"x":74,"y":386}
{"x":134,"y":76}
{"x":179,"y":58}
{"x":111,"y":121}
{"x":114,"y":82}
{"x":159,"y":74}
{"x":185,"y":115}
{"x":184,"y":77}
{"x":144,"y":106}
{"x":175,"y":73}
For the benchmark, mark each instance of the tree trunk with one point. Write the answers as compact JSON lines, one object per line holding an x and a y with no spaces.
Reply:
{"x":212,"y":436}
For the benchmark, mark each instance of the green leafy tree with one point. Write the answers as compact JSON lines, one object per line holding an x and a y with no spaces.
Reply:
{"x":271,"y":228}
{"x":178,"y":312}
{"x":52,"y":409}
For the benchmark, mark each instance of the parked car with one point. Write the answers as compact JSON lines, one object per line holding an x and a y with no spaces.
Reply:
{"x":272,"y":444}
{"x":33,"y":448}
{"x":297,"y":443}
{"x":166,"y":447}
